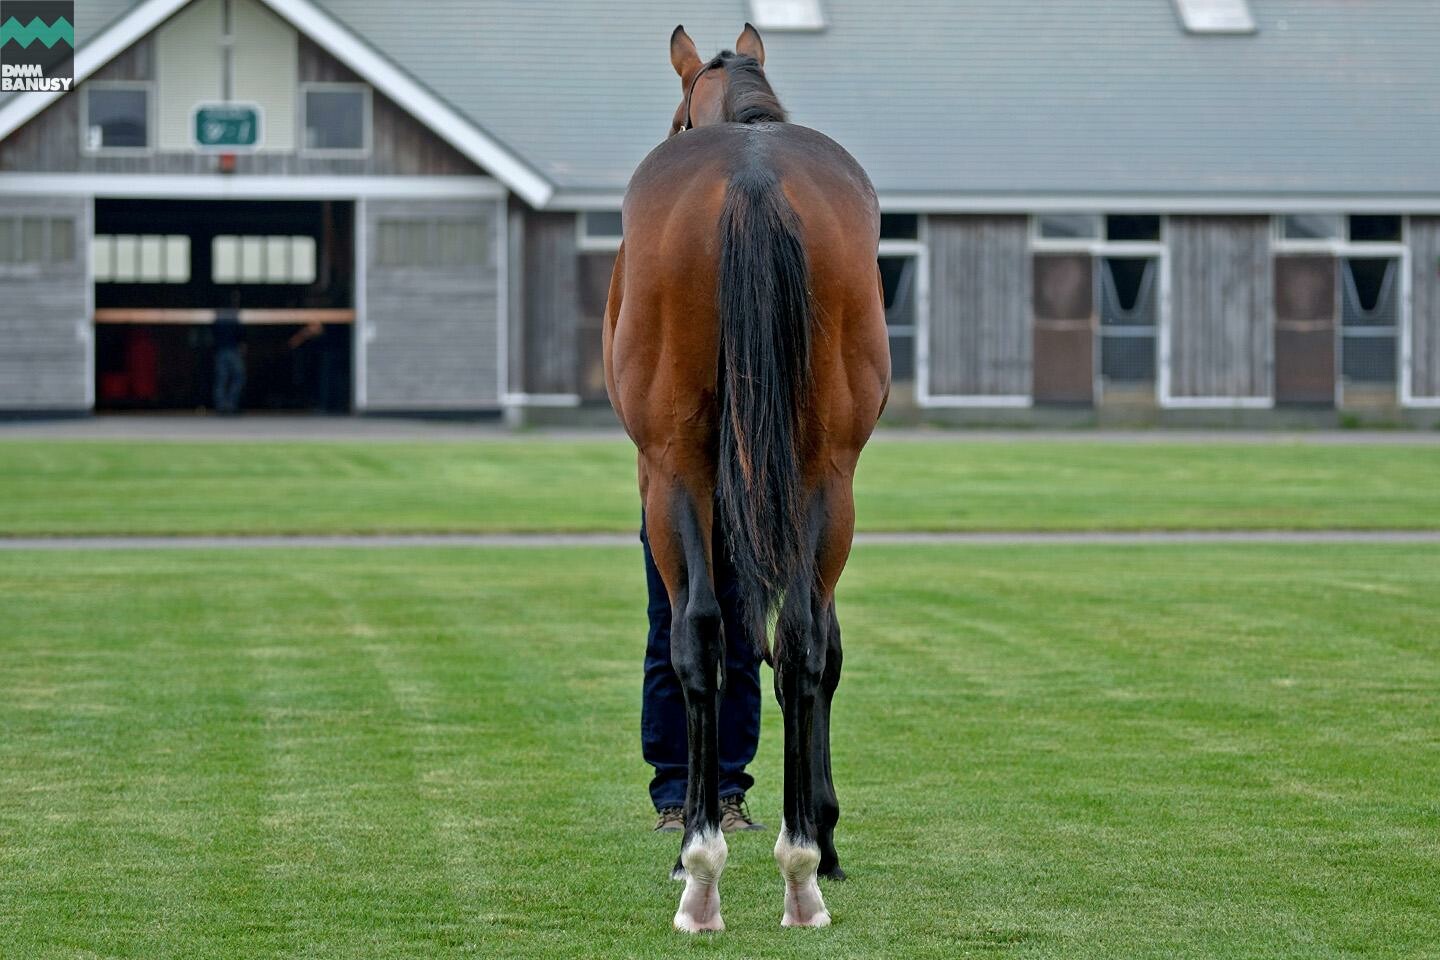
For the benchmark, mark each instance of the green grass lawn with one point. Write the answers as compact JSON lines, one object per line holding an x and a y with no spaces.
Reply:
{"x":527,"y":484}
{"x":1167,"y":752}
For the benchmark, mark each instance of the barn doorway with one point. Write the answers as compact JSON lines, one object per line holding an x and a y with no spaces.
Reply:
{"x":235,"y":306}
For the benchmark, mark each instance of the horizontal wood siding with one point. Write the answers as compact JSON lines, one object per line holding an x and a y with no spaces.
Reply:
{"x":44,"y":328}
{"x":980,"y":339}
{"x":400,"y":145}
{"x":1220,"y":294}
{"x":432,"y":341}
{"x":1425,"y":307}
{"x":552,"y":304}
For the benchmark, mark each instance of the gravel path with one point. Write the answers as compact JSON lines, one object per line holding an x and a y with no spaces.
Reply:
{"x":532,"y":540}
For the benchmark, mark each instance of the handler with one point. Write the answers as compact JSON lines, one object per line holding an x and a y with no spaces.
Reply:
{"x":662,"y":713}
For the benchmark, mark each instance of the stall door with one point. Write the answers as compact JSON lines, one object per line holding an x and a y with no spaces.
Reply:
{"x":44,"y":309}
{"x":1305,"y":309}
{"x":431,"y":306}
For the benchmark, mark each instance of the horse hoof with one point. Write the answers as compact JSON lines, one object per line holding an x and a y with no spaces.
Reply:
{"x":821,"y":919}
{"x":834,"y":873}
{"x":686,"y":923}
{"x":677,"y":872}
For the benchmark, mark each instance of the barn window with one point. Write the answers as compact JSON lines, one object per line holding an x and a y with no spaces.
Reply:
{"x":422,"y":244}
{"x":1129,"y":227}
{"x":899,"y":226}
{"x":1370,"y":318}
{"x":267,"y":260}
{"x":1375,"y":229}
{"x":1068,"y":226}
{"x":127,"y":258}
{"x":898,"y":276}
{"x":787,"y":14}
{"x":1128,"y":318}
{"x":600,"y":230}
{"x":336,"y":117}
{"x":117,"y":117}
{"x":1216,"y":16}
{"x":36,"y":240}
{"x":1310,"y":226}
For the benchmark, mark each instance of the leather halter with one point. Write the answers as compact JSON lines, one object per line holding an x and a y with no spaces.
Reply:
{"x":690,"y":94}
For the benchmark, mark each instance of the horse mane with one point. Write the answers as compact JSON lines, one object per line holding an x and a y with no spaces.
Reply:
{"x":748,"y":95}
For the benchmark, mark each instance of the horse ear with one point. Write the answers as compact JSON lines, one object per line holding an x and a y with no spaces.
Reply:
{"x":683,"y":56}
{"x":749,"y":44}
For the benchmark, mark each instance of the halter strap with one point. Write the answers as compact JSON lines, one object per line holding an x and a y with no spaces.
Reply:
{"x":690,"y":94}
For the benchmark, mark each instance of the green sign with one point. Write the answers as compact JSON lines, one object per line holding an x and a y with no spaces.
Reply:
{"x":227,"y":126}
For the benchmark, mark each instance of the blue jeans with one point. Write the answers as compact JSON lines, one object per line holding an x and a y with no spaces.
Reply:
{"x":662,"y":711}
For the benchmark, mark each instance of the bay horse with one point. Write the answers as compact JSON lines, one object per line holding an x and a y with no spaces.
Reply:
{"x":746,"y":355}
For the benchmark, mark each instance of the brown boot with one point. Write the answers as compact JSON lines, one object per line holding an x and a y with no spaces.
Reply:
{"x":735,"y":815}
{"x":672,"y":820}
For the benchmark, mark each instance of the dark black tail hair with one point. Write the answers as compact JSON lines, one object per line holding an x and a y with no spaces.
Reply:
{"x":765,"y":312}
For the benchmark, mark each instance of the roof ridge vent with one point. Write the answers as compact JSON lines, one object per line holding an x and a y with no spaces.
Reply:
{"x":1216,"y":16}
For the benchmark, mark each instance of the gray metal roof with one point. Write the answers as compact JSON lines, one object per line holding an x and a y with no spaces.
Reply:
{"x":1061,"y":97}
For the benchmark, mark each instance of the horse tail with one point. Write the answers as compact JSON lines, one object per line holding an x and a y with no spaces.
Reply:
{"x":766,"y":312}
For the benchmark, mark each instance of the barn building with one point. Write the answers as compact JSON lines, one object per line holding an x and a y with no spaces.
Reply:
{"x":1170,"y":210}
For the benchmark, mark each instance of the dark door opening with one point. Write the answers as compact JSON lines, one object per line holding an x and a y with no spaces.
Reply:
{"x":229,"y":305}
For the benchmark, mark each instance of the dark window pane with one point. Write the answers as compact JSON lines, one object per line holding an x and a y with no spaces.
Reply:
{"x":1132,"y":227}
{"x":1128,"y":291}
{"x":1368,"y":359}
{"x":902,"y":357}
{"x":899,"y":226}
{"x":1127,"y":359}
{"x":334,"y":120}
{"x":1312,"y":226}
{"x":1069,"y":226}
{"x":1375,"y":229}
{"x":1370,"y":297}
{"x":9,"y":248}
{"x":897,"y":275}
{"x":117,"y":118}
{"x":602,"y":223}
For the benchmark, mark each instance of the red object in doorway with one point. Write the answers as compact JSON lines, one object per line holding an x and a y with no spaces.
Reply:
{"x":114,"y":386}
{"x":142,"y":364}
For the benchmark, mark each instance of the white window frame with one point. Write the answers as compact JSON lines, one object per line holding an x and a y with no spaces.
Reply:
{"x":1343,"y":247}
{"x":587,"y":243}
{"x":920,"y":329}
{"x":1160,"y":249}
{"x":367,"y":124}
{"x":145,"y":86}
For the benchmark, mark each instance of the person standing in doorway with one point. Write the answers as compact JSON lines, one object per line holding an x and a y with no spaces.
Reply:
{"x":663,"y":737}
{"x":229,"y":358}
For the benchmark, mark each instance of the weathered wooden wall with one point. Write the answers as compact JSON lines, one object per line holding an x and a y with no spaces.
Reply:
{"x":1425,"y":307}
{"x":551,"y":297}
{"x":44,"y":327}
{"x":980,"y":338}
{"x":400,"y":146}
{"x":1220,"y":294}
{"x":431,"y":333}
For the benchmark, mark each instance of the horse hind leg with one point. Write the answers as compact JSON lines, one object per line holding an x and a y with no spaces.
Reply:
{"x":807,"y":672}
{"x":799,"y":669}
{"x":681,"y":543}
